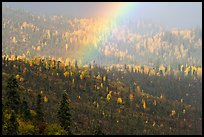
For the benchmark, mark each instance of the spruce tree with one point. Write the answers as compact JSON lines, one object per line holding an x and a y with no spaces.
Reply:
{"x":64,"y":114}
{"x":26,"y":110}
{"x":39,"y":108}
{"x":13,"y":97}
{"x":76,"y":65}
{"x":40,"y":122}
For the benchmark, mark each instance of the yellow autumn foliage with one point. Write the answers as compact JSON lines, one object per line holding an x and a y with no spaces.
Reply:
{"x":66,"y":74}
{"x":21,"y":79}
{"x":138,"y":91}
{"x":54,"y":129}
{"x":146,"y":69}
{"x":108,"y":97}
{"x":45,"y":99}
{"x":33,"y":113}
{"x":199,"y":71}
{"x":30,"y":63}
{"x":143,"y":94}
{"x":7,"y":116}
{"x":98,"y":77}
{"x":119,"y":100}
{"x":161,"y":96}
{"x":71,"y":73}
{"x":26,"y":128}
{"x":161,"y":67}
{"x":154,"y":123}
{"x":131,"y":96}
{"x":97,"y":105}
{"x":28,"y":53}
{"x":81,"y":76}
{"x":66,"y":47}
{"x":186,"y":71}
{"x":38,"y":48}
{"x":173,"y":112}
{"x":24,"y":70}
{"x":155,"y":102}
{"x":151,"y":72}
{"x":104,"y":78}
{"x":70,"y":40}
{"x":98,"y":87}
{"x":17,"y":76}
{"x":144,"y":104}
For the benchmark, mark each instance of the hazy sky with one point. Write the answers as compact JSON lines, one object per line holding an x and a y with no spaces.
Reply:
{"x":175,"y":14}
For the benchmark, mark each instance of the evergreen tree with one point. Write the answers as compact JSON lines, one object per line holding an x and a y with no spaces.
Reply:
{"x":102,"y":78}
{"x":26,"y":110}
{"x":77,"y":83}
{"x":106,"y":81}
{"x":40,"y":122}
{"x":76,"y":65}
{"x":12,"y":126}
{"x":125,"y":66}
{"x":58,"y":64}
{"x":13,"y":98}
{"x":151,"y":108}
{"x":89,"y":69}
{"x":64,"y":114}
{"x":39,"y":108}
{"x":128,"y":98}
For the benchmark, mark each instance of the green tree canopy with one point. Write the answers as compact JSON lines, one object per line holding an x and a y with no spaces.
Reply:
{"x":64,"y":114}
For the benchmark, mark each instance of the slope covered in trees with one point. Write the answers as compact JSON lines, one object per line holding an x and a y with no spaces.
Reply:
{"x":101,"y":100}
{"x":65,"y":75}
{"x":101,"y":39}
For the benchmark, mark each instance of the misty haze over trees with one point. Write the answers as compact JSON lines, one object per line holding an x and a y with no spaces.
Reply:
{"x":129,"y":41}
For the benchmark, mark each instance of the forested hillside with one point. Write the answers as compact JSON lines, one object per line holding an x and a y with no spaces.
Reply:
{"x":101,"y":39}
{"x":142,"y":102}
{"x":65,"y":75}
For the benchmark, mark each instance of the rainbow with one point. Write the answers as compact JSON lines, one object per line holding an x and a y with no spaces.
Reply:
{"x":117,"y":12}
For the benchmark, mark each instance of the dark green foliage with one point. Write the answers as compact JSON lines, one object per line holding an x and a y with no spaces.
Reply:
{"x":40,"y":121}
{"x":39,"y":108}
{"x":13,"y":98}
{"x":89,"y":104}
{"x":26,"y":110}
{"x":12,"y":128}
{"x":64,"y":114}
{"x":76,"y":65}
{"x":58,"y":64}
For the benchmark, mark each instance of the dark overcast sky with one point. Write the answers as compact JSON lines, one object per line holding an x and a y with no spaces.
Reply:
{"x":172,"y":14}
